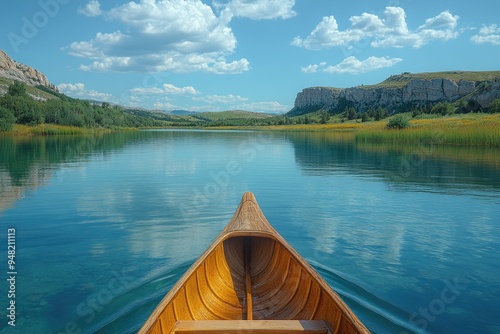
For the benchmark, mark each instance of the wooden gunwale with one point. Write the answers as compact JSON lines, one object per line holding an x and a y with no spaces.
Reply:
{"x":250,"y":225}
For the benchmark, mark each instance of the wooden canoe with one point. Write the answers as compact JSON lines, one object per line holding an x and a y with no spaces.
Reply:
{"x":250,"y":280}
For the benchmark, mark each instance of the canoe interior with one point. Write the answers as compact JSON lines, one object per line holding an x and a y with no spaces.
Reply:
{"x":281,"y":288}
{"x":250,"y":277}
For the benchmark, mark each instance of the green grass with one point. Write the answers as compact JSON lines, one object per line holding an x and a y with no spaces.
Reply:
{"x":460,"y":75}
{"x":5,"y":83}
{"x":397,"y":81}
{"x":231,"y":114}
{"x":463,"y":130}
{"x":52,"y":129}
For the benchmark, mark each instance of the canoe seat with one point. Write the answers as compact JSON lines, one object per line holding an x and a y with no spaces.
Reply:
{"x":251,"y":326}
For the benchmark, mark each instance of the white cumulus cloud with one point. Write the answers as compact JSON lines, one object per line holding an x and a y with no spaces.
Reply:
{"x":269,"y":107}
{"x":237,"y":102}
{"x":164,"y":105}
{"x":352,"y":65}
{"x":221,"y":99}
{"x":388,"y":30}
{"x":167,"y":88}
{"x":92,"y":8}
{"x":161,"y":35}
{"x":445,"y":20}
{"x":260,"y":9}
{"x":69,"y":87}
{"x":171,"y":89}
{"x":326,"y":34}
{"x":78,"y":90}
{"x":487,"y":35}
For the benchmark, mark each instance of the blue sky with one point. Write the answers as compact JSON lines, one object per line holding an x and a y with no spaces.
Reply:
{"x":240,"y":54}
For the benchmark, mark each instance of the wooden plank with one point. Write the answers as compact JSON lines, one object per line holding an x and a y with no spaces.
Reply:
{"x":254,"y":326}
{"x":248,"y":281}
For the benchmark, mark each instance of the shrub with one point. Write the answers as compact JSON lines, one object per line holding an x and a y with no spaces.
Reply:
{"x":443,"y":108}
{"x":7,"y":119}
{"x":398,"y":122}
{"x":31,"y":117}
{"x":381,"y":113}
{"x":17,"y":89}
{"x":351,"y":113}
{"x":324,"y":117}
{"x":416,"y":112}
{"x":473,"y":106}
{"x":494,"y":106}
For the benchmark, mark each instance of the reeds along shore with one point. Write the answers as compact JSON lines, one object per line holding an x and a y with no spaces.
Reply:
{"x":470,"y":130}
{"x":479,"y":130}
{"x":53,"y":129}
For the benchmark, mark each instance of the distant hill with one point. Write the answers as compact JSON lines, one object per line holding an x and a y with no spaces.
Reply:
{"x":181,"y":112}
{"x":402,"y":92}
{"x":231,"y":115}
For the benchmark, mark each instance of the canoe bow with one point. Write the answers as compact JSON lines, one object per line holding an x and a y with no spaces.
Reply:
{"x":250,"y":279}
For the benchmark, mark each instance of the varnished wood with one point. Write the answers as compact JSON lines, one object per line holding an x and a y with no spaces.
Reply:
{"x":250,"y":273}
{"x":253,"y":327}
{"x":248,"y":279}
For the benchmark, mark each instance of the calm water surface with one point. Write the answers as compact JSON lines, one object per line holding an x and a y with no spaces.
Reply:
{"x":105,"y":225}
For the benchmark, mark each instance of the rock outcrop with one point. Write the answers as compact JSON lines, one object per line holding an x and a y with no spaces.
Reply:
{"x":398,"y":93}
{"x":11,"y":69}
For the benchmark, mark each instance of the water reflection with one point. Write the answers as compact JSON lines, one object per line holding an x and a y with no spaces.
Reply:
{"x":26,"y":163}
{"x":442,"y":168}
{"x":150,"y":202}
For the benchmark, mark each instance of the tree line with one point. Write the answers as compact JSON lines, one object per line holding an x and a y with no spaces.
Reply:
{"x":459,"y":107}
{"x":17,"y":107}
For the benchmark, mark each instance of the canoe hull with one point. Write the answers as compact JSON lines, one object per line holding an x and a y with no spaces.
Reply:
{"x":251,"y":273}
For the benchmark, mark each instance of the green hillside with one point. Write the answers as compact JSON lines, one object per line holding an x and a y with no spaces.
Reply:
{"x":230,"y":114}
{"x":401,"y":80}
{"x":22,"y":104}
{"x":31,"y":90}
{"x":28,"y":105}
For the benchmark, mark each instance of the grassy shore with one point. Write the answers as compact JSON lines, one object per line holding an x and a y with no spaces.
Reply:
{"x":482,"y":130}
{"x":53,"y":129}
{"x":465,"y":130}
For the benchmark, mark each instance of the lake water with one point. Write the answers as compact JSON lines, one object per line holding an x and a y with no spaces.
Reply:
{"x":409,"y":236}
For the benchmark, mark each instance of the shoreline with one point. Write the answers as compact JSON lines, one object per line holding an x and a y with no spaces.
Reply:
{"x":464,"y":130}
{"x":54,"y":129}
{"x":473,"y":130}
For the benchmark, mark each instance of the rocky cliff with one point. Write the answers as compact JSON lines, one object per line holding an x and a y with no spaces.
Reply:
{"x":11,"y":69}
{"x":402,"y":92}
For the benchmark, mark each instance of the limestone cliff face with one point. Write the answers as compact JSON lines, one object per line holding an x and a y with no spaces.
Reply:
{"x":13,"y":70}
{"x":415,"y":92}
{"x":311,"y":97}
{"x":488,"y":94}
